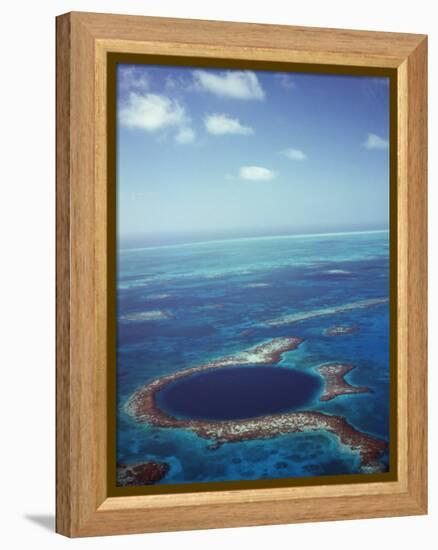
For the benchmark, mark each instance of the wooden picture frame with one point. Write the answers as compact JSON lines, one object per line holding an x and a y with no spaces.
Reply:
{"x":84,"y":42}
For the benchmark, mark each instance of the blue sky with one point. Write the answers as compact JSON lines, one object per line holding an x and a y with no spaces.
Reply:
{"x":207,"y":151}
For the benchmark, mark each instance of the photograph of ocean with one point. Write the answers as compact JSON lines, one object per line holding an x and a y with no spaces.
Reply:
{"x":187,"y":304}
{"x":252,"y":285}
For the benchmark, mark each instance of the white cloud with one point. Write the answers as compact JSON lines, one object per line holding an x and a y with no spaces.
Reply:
{"x":294,"y":154}
{"x":154,"y":112}
{"x":178,"y":83}
{"x":131,"y":78}
{"x":170,"y":83}
{"x":235,"y":84}
{"x":285,"y":80}
{"x":151,"y":112}
{"x":374,"y":141}
{"x":185,"y":135}
{"x":256,"y":173}
{"x":220,"y":124}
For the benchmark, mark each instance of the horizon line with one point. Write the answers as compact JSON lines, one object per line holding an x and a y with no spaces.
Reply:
{"x":266,"y":237}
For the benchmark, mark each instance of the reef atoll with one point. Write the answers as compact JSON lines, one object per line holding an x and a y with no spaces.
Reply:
{"x":142,"y":406}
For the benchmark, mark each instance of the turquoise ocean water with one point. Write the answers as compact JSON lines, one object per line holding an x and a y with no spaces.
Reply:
{"x":182,"y":305}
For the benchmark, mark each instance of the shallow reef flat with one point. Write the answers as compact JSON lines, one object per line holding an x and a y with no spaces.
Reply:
{"x":305,"y":315}
{"x":151,"y":315}
{"x":159,"y":296}
{"x":335,"y":383}
{"x":143,"y":407}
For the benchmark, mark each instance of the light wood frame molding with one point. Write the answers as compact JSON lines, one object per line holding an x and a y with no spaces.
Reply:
{"x":83,"y":41}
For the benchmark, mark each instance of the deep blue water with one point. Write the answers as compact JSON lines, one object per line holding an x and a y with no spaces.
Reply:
{"x":183,"y":305}
{"x":240,"y":392}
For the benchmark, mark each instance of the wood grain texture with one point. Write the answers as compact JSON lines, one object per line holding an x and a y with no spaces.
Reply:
{"x":63,"y":403}
{"x":83,"y":41}
{"x":226,"y":39}
{"x":417,"y":273}
{"x":402,"y":270}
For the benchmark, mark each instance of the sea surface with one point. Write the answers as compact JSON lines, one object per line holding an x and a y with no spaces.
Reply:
{"x":179,"y":306}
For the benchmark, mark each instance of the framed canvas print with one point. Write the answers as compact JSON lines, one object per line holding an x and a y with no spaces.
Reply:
{"x":241,"y":274}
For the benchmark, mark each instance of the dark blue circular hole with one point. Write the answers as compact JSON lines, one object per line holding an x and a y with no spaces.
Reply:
{"x":238,"y":392}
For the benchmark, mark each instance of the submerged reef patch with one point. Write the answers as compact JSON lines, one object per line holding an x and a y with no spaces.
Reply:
{"x":340,"y":330}
{"x":141,"y":473}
